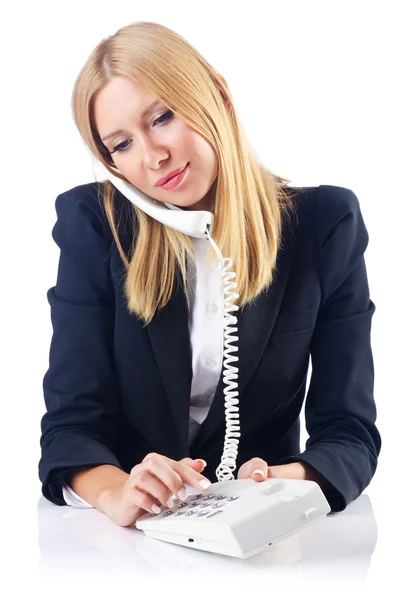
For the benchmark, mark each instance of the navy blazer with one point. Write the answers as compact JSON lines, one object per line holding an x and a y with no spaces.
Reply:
{"x":115,"y":391}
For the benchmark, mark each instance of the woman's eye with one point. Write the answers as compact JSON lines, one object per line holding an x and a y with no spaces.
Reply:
{"x":167,"y":114}
{"x":119,"y":147}
{"x":161,"y":119}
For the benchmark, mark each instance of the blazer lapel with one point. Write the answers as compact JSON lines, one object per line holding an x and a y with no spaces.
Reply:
{"x":169,"y":334}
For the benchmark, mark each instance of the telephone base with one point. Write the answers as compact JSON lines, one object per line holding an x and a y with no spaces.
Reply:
{"x":240,"y":517}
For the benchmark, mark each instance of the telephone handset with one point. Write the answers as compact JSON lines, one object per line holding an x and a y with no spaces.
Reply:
{"x":245,"y":516}
{"x":192,"y":222}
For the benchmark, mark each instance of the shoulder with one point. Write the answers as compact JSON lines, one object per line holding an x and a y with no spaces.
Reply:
{"x":88,"y":193}
{"x":335,"y":202}
{"x":83,"y":236}
{"x":331,"y":199}
{"x":322,"y":207}
{"x":84,"y":204}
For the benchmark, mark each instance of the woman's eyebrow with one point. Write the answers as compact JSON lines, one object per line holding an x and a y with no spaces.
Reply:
{"x":145,"y":112}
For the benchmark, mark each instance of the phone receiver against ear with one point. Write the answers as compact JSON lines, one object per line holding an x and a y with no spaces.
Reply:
{"x":192,"y":222}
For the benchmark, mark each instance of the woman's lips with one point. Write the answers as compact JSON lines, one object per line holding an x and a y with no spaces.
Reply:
{"x":176,"y":180}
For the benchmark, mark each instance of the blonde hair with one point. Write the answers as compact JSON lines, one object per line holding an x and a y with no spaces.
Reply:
{"x":249,"y":200}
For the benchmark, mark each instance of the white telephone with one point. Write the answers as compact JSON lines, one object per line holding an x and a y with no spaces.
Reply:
{"x":246,"y":516}
{"x":238,"y":518}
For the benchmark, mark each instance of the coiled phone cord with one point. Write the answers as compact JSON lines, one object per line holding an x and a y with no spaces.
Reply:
{"x":225,"y":470}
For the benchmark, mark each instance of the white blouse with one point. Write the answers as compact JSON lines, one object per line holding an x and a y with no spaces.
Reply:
{"x":205,"y":288}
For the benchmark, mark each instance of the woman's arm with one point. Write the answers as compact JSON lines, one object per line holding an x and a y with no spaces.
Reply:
{"x":344,"y":443}
{"x":80,"y":387}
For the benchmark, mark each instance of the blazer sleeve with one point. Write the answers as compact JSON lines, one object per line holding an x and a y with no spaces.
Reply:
{"x":340,"y":411}
{"x":80,"y":388}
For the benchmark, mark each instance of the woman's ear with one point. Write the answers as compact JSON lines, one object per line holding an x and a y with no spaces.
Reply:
{"x":225,"y":98}
{"x":222,"y":90}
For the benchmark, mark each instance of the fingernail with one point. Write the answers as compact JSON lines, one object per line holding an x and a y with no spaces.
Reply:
{"x":170,"y":503}
{"x":182,"y":494}
{"x":201,"y":460}
{"x":156,"y":509}
{"x":204,"y":484}
{"x":259,"y":471}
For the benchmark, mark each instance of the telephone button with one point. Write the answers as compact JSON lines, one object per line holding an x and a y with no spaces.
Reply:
{"x":181,"y":510}
{"x":215,"y":513}
{"x":205,"y":497}
{"x":203,"y":512}
{"x":167,"y":513}
{"x":220,"y":497}
{"x":231,"y":498}
{"x":196,"y":496}
{"x":311,"y":513}
{"x":218,"y":504}
{"x":189,"y":513}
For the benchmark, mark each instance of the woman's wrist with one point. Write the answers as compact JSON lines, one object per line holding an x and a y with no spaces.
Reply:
{"x":107,"y":495}
{"x":93,"y":483}
{"x":312,"y":474}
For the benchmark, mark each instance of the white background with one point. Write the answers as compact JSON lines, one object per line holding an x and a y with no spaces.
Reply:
{"x":314,"y":85}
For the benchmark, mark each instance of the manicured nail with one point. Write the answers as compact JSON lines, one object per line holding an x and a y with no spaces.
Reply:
{"x":156,"y":509}
{"x":259,"y":471}
{"x":182,"y":494}
{"x":201,"y":460}
{"x":204,"y":484}
{"x":170,"y":503}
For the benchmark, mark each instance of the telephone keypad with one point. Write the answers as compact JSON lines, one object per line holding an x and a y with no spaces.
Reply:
{"x":208,"y":503}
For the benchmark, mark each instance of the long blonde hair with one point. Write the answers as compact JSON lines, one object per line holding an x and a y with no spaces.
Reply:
{"x":249,"y":200}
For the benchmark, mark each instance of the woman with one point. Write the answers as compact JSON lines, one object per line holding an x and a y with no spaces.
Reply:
{"x":134,"y":386}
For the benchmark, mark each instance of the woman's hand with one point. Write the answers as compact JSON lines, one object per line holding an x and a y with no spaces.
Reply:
{"x":296,"y":470}
{"x":152,"y":483}
{"x":256,"y":469}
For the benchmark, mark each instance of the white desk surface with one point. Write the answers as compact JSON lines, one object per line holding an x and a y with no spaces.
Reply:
{"x":66,"y":552}
{"x":335,"y":551}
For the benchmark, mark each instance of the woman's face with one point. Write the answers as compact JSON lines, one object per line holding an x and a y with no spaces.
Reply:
{"x":149,"y":146}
